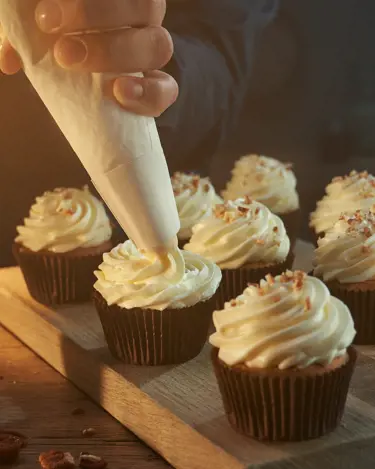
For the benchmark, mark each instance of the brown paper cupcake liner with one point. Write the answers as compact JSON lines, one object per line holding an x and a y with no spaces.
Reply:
{"x":150,"y":337}
{"x":234,"y":281}
{"x":55,"y":279}
{"x":361,"y":303}
{"x":292,"y":224}
{"x":274,"y":405}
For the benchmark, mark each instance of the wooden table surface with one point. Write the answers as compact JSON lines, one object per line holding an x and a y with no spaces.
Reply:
{"x":37,"y":401}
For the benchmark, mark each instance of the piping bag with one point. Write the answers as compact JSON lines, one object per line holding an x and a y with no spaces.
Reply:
{"x":120,"y":151}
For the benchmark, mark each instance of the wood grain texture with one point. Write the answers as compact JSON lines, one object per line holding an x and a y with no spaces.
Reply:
{"x":38,"y":402}
{"x":177,"y":410}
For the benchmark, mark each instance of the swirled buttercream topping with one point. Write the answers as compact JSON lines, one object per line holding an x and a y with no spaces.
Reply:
{"x":176,"y":279}
{"x":240,"y":232}
{"x":265,"y":179}
{"x":347,"y":251}
{"x":286,"y":321}
{"x":344,"y":194}
{"x":64,"y":220}
{"x":195,"y":198}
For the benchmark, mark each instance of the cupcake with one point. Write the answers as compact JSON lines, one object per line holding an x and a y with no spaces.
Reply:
{"x":282,"y":358}
{"x":345,"y":261}
{"x":270,"y":182}
{"x":155,"y":310}
{"x":195,"y":198}
{"x":61,"y":244}
{"x":343,"y":194}
{"x":245,"y":240}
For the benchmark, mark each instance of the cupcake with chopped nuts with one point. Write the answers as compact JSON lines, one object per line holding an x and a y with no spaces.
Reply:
{"x":270,"y":182}
{"x":155,"y":309}
{"x":344,"y":194}
{"x":345,"y":261}
{"x":245,"y":240}
{"x":283,"y":358}
{"x":195,"y":198}
{"x":61,"y":243}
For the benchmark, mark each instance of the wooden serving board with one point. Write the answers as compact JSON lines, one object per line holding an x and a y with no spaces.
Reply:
{"x":177,"y":410}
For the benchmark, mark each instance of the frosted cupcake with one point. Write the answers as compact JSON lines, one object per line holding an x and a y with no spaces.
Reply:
{"x":245,"y":240}
{"x":343,"y":194}
{"x":155,"y":310}
{"x":283,"y":359}
{"x":345,"y":261}
{"x":195,"y":198}
{"x":60,"y":245}
{"x":270,"y":182}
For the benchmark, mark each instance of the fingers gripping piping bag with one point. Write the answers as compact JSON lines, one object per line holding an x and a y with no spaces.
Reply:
{"x":121,"y":152}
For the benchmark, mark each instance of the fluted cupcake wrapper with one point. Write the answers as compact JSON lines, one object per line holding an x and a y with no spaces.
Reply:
{"x":55,"y":279}
{"x":291,"y":222}
{"x":234,"y":281}
{"x":150,"y":337}
{"x":361,"y":303}
{"x":273,"y":405}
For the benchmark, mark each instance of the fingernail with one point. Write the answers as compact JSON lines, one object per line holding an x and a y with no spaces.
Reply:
{"x":71,"y":51}
{"x":49,"y":16}
{"x":127,"y":90}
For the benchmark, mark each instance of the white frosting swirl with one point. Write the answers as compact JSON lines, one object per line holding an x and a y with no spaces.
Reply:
{"x":347,"y":251}
{"x":195,"y":198}
{"x":180,"y":279}
{"x":287,"y":321}
{"x":240,"y":232}
{"x":265,"y":179}
{"x":344,"y":194}
{"x":65,"y":220}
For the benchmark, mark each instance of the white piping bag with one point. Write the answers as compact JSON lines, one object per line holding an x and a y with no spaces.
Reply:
{"x":121,"y":152}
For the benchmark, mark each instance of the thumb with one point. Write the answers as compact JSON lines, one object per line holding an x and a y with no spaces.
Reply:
{"x":147,"y":96}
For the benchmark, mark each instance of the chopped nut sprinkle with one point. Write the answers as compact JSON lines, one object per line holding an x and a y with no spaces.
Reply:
{"x":367,"y":231}
{"x":270,"y":279}
{"x":243,"y":209}
{"x":219,"y":210}
{"x":307,"y":303}
{"x":182,"y":182}
{"x":354,"y":176}
{"x":359,"y":223}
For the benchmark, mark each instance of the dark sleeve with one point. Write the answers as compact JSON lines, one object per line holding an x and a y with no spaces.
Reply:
{"x":214,"y":42}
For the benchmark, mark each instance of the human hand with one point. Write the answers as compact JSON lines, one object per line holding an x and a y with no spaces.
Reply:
{"x":133,"y":40}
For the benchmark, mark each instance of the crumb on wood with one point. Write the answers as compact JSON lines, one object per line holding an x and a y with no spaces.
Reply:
{"x":56,"y":460}
{"x":88,"y":432}
{"x":88,"y":460}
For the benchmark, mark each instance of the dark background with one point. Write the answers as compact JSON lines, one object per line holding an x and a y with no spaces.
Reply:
{"x":311,"y":101}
